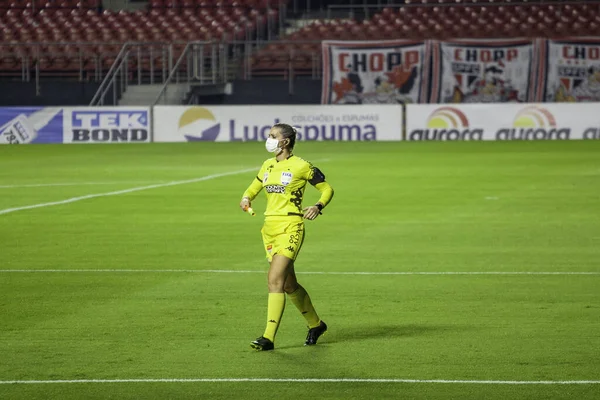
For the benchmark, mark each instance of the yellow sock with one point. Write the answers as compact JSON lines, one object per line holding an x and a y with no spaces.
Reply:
{"x":301,"y":300}
{"x":275,"y":309}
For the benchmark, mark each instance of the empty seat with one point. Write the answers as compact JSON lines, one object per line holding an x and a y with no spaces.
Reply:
{"x":75,"y":21}
{"x":431,"y":19}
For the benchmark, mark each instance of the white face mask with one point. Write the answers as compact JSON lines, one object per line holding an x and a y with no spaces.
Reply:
{"x":272,"y":146}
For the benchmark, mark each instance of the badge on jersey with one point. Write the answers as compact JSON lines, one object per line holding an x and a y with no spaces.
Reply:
{"x":286,"y":178}
{"x":265,"y":176}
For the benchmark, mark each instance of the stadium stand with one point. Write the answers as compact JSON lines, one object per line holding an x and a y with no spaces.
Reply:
{"x":431,"y":19}
{"x":80,"y":39}
{"x":65,"y":36}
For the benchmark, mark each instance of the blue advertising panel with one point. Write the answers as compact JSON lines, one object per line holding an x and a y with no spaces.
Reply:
{"x":19,"y":125}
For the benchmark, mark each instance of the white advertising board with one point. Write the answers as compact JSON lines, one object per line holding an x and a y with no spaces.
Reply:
{"x":503,"y":121}
{"x":252,"y":123}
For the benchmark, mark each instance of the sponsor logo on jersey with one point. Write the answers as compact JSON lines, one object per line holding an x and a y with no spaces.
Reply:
{"x":286,"y":178}
{"x":275,"y":189}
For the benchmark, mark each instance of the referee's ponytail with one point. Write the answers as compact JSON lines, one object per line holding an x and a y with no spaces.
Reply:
{"x":287,"y":132}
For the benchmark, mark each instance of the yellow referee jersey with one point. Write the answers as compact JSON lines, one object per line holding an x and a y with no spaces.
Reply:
{"x":284,"y":183}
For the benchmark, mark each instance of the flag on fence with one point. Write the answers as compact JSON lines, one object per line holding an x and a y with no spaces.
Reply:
{"x":483,"y":71}
{"x":394,"y":71}
{"x":570,"y":70}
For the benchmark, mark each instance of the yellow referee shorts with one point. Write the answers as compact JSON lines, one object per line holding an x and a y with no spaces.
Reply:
{"x":283,"y":236}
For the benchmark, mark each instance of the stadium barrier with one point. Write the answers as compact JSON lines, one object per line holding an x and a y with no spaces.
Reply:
{"x":250,"y":123}
{"x":413,"y":122}
{"x":75,"y":124}
{"x":505,"y":121}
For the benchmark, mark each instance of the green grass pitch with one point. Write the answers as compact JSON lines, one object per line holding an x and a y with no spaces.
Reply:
{"x":428,"y":210}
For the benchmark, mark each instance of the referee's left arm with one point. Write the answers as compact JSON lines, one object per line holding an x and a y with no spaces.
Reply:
{"x":326,"y":194}
{"x":318,"y":181}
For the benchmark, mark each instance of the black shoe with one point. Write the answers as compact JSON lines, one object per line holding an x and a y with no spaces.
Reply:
{"x":315,"y":333}
{"x":262,"y":344}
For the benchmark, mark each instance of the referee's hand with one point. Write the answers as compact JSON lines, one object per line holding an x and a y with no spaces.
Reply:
{"x":245,"y":204}
{"x":311,"y":212}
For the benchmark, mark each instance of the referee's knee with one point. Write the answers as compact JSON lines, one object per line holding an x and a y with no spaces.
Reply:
{"x":276,"y":285}
{"x":290,"y":287}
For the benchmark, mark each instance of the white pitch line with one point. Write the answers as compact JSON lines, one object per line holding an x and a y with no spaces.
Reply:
{"x":302,"y":380}
{"x":124,"y":191}
{"x":231,"y":271}
{"x":135,"y":189}
{"x":73,"y":184}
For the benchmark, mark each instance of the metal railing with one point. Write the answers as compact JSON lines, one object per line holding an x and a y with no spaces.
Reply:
{"x":33,"y":57}
{"x":219,"y":62}
{"x":200,"y":63}
{"x":116,"y":67}
{"x":110,"y":77}
{"x":136,"y":63}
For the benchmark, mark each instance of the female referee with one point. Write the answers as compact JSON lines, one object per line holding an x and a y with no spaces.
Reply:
{"x":284,"y":178}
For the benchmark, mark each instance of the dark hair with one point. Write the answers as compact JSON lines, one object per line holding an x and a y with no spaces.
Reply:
{"x":288,"y":132}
